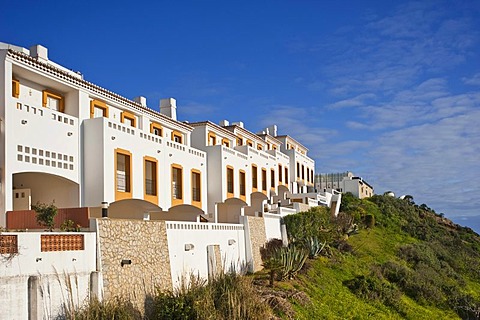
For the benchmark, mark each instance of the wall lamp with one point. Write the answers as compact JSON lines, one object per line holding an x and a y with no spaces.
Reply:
{"x":231,"y":242}
{"x":189,"y":246}
{"x":38,"y":259}
{"x":125,"y":261}
{"x":24,"y":121}
{"x":113,"y":137}
{"x":69,"y":134}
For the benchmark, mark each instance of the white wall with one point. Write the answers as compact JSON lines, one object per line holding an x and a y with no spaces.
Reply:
{"x":102,"y":136}
{"x":183,"y":263}
{"x":53,"y":268}
{"x":272,"y":226}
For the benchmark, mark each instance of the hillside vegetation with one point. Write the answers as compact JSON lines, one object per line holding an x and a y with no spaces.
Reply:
{"x":381,"y":258}
{"x":404,"y":261}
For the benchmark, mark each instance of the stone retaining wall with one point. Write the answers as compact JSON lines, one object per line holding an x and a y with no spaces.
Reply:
{"x":143,"y":248}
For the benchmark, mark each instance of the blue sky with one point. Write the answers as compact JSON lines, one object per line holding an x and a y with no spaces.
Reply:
{"x":387,"y":89}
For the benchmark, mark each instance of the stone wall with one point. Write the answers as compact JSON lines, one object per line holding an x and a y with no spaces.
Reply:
{"x":258,"y":238}
{"x":143,"y":248}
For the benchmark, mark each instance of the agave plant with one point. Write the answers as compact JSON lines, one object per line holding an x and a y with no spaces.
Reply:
{"x":314,"y":246}
{"x":292,"y":260}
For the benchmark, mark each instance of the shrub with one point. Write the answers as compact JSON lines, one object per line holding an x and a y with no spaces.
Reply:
{"x":70,"y":226}
{"x":227,"y":296}
{"x":373,"y":288}
{"x":45,"y":214}
{"x":107,"y":309}
{"x":369,"y":221}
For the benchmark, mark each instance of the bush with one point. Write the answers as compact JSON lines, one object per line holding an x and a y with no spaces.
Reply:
{"x":115,"y":309}
{"x":370,"y":221}
{"x":373,"y":288}
{"x":45,"y":214}
{"x":227,"y":296}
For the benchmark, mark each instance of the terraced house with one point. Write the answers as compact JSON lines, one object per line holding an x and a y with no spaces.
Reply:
{"x":68,"y":141}
{"x":153,"y":199}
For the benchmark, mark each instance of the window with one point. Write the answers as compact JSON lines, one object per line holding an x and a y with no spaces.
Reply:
{"x":150,"y":176}
{"x":286,"y":175}
{"x":98,"y":109}
{"x":196,"y":188}
{"x":128,"y":118}
{"x":268,"y":146}
{"x":156,"y":129}
{"x":308,"y":174}
{"x":272,"y":178}
{"x":259,"y":147}
{"x":123,"y":176}
{"x":177,"y":137}
{"x":229,"y":181}
{"x":226,"y":142}
{"x":280,"y":172}
{"x":298,"y":170}
{"x":177,"y":184}
{"x":254,"y":177}
{"x":242,"y":184}
{"x":274,"y":147}
{"x":249,"y":143}
{"x":212,"y":139}
{"x":311,"y":175}
{"x":15,"y":88}
{"x":264,"y":180}
{"x":303,"y":172}
{"x":52,"y":101}
{"x":239,"y":141}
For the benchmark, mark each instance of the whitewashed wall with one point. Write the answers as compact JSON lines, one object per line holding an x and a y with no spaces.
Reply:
{"x":53,"y":270}
{"x":272,"y":226}
{"x":230,"y":238}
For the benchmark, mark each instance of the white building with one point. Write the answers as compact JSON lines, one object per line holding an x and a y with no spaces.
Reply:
{"x":66,"y":140}
{"x":344,"y":182}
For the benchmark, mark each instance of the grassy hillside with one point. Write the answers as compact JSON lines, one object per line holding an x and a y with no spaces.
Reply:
{"x":411,"y":263}
{"x":381,"y":258}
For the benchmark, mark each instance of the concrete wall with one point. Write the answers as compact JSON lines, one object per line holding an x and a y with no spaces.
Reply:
{"x":63,"y":276}
{"x":186,"y":259}
{"x":143,"y":247}
{"x":272,"y":226}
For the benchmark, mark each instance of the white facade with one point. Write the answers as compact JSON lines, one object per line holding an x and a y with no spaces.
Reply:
{"x":68,"y":141}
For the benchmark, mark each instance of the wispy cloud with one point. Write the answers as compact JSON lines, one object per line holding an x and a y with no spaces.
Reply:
{"x":474,"y":80}
{"x":397,"y":79}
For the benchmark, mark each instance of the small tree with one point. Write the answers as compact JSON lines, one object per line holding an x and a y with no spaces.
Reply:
{"x":45,"y":214}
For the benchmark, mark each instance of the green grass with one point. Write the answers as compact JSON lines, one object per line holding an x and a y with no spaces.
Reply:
{"x":437,"y":255}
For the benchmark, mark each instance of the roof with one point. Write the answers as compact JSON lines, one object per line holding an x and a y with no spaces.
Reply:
{"x":232,"y":127}
{"x":288,"y":137}
{"x":270,"y":137}
{"x":209,"y":123}
{"x":75,"y":80}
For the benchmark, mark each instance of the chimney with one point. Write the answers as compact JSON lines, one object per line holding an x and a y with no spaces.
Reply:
{"x":224,"y":123}
{"x":141,"y":100}
{"x":239,"y":123}
{"x":273,"y":130}
{"x":39,"y":52}
{"x":168,"y":107}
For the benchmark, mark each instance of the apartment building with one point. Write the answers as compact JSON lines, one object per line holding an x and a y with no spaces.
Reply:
{"x":245,"y":170}
{"x":344,"y":182}
{"x":69,"y":141}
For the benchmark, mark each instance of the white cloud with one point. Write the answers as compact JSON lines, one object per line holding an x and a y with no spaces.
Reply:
{"x":474,"y":80}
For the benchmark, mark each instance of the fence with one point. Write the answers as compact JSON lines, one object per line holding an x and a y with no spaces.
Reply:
{"x":27,"y":219}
